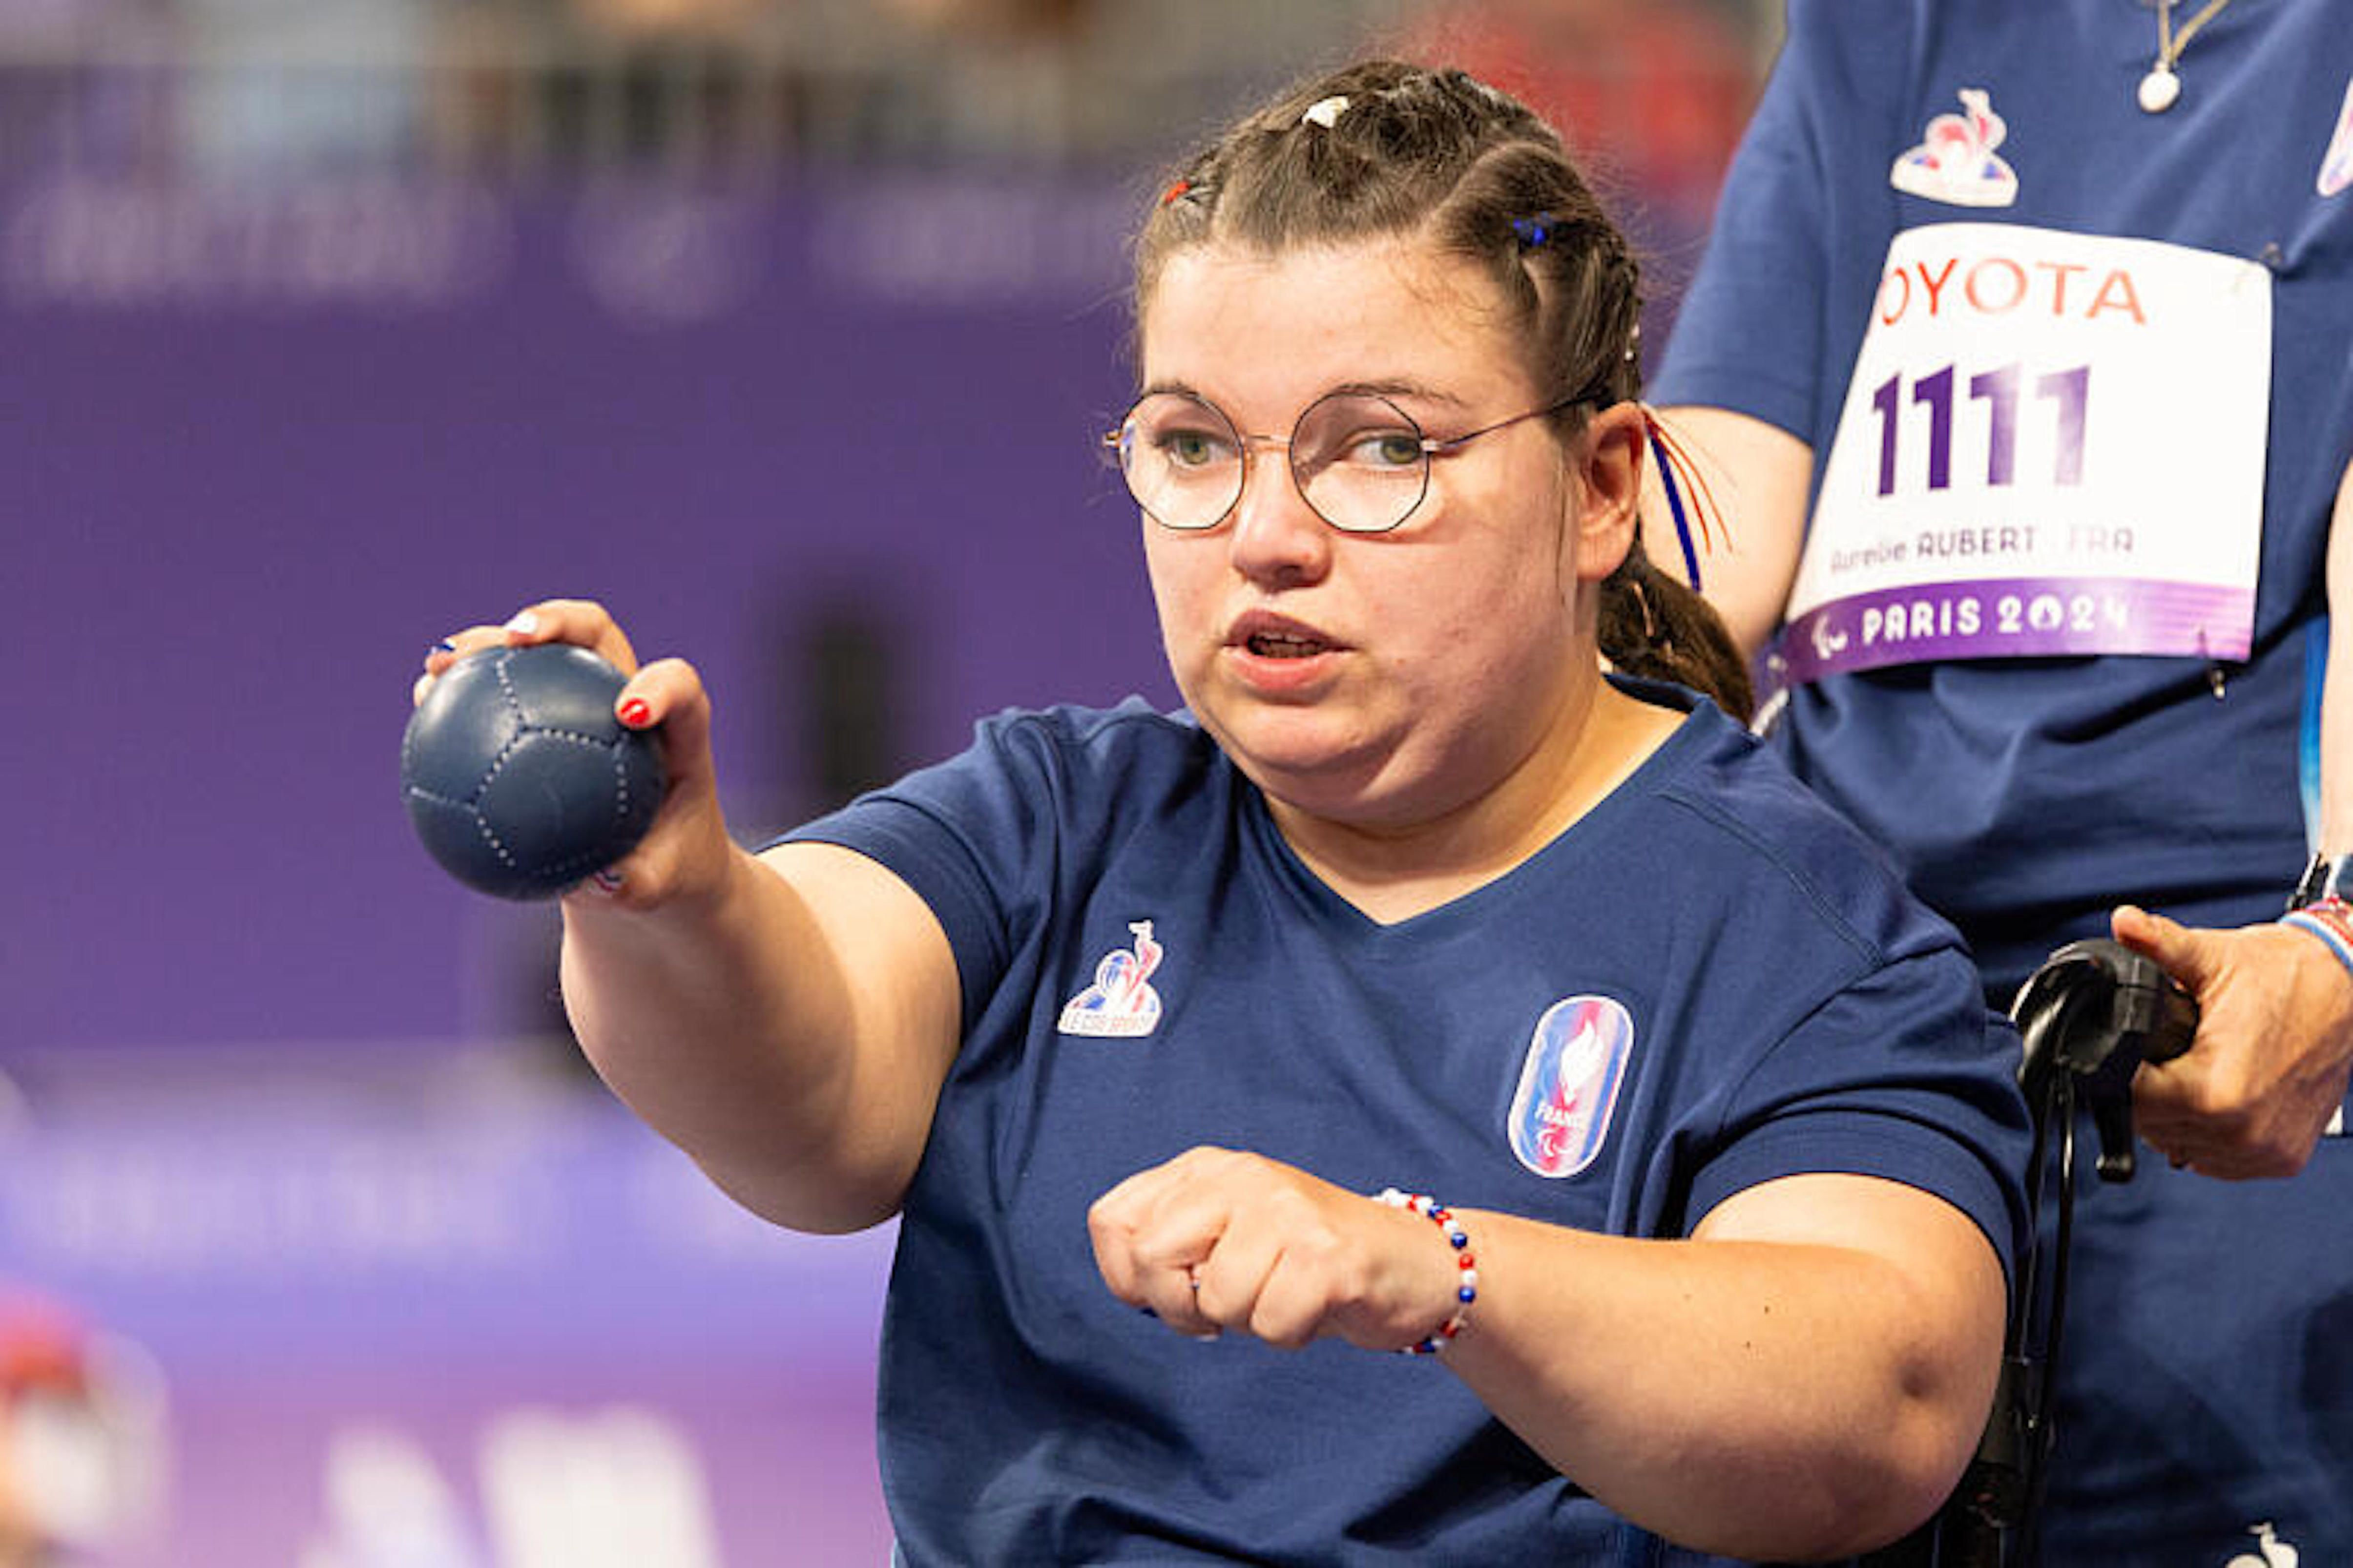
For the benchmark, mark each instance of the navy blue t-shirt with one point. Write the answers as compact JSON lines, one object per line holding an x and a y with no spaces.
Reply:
{"x":1705,"y":983}
{"x":2206,"y":1408}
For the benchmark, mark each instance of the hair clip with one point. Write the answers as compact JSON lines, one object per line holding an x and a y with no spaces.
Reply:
{"x":1533,"y":232}
{"x":1324,"y":111}
{"x":1174,"y":191}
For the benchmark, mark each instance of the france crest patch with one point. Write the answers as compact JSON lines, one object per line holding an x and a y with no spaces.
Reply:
{"x":1568,"y":1085}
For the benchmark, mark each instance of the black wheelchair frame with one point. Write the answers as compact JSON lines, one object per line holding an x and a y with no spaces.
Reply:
{"x":2089,"y":1017}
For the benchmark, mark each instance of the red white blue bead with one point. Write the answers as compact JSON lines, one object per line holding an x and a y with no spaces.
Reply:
{"x":1466,"y":1288}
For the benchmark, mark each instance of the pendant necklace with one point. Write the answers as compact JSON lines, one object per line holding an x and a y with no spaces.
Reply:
{"x":2160,"y":87}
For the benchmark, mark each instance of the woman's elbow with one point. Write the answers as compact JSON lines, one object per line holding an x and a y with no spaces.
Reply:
{"x":1942,"y":1384}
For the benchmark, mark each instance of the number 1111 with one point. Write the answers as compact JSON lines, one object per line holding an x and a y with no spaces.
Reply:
{"x":2067,"y":390}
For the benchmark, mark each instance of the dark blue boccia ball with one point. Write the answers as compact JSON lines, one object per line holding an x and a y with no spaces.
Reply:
{"x":517,"y":775}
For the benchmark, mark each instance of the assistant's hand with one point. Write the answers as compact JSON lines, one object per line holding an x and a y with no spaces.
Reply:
{"x":687,"y":852}
{"x":1217,"y":1239}
{"x":2274,"y":1046}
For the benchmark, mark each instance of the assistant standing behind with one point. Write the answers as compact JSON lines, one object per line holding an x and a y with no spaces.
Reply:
{"x":2024,"y":341}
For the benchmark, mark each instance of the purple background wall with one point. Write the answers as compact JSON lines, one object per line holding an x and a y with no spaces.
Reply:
{"x":240,"y":496}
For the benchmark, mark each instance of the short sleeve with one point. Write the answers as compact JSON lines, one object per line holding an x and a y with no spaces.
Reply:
{"x":989,"y":838}
{"x":963,"y":834}
{"x":1904,"y":1075}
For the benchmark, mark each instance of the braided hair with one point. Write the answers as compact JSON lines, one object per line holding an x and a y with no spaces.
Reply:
{"x":1443,"y":156}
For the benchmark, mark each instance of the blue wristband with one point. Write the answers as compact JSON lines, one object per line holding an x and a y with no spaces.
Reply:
{"x":2305,"y":921}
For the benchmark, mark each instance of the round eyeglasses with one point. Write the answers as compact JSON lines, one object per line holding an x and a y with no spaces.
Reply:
{"x":1359,"y":461}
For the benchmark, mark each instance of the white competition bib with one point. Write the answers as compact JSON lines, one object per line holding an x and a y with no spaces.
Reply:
{"x":2054,"y":443}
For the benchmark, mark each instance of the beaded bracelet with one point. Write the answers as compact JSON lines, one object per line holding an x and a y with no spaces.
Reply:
{"x":1467,"y":1287}
{"x":2331,"y":920}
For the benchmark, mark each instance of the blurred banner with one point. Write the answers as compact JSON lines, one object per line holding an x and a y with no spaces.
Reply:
{"x":367,"y":1310}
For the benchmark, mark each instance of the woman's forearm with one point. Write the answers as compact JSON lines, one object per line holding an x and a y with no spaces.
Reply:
{"x":1773,"y":1399}
{"x":742,"y":1025}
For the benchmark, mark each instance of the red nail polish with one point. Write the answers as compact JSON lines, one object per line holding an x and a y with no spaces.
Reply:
{"x":635,"y":714}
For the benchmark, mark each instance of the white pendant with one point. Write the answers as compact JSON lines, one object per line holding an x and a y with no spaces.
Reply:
{"x":2159,"y":89}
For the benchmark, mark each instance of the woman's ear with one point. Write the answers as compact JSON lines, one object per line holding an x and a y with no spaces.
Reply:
{"x":1607,"y":463}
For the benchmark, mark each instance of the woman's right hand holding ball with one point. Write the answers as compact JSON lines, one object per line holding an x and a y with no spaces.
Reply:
{"x":686,"y":853}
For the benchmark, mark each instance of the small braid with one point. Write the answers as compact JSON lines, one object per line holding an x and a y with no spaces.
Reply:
{"x":1654,"y":626}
